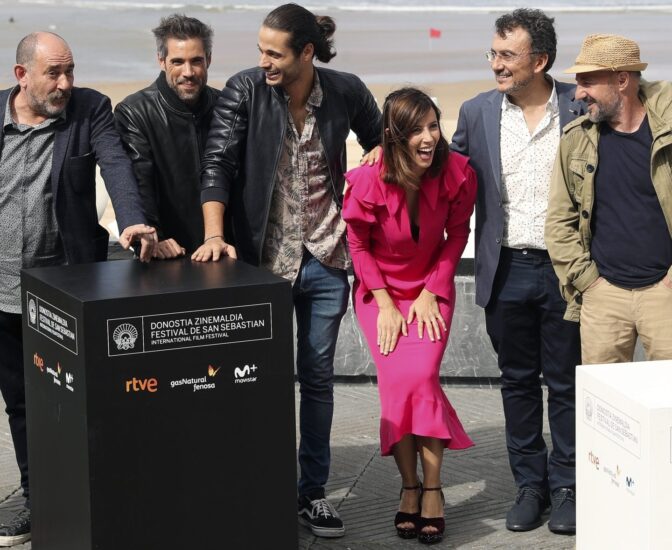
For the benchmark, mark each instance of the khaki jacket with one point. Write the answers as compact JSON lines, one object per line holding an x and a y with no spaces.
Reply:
{"x":571,"y":199}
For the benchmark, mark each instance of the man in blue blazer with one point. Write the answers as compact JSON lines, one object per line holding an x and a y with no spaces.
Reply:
{"x":511,"y":135}
{"x":52,"y":135}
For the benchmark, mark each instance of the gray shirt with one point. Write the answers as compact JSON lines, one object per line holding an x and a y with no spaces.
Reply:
{"x":28,"y":228}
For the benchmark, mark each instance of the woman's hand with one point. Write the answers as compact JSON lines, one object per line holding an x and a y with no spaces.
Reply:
{"x":426,"y":309}
{"x":390,"y":323}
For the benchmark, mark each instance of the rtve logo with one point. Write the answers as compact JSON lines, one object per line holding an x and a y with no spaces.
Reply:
{"x":38,"y":362}
{"x":594,"y":460}
{"x":150,"y":385}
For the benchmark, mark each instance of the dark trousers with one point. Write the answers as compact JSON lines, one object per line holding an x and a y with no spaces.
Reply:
{"x":525,"y":324}
{"x":13,"y":389}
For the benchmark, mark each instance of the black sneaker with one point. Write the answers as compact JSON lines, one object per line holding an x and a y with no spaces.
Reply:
{"x":563,"y":512}
{"x":525,"y":514}
{"x":320,"y":517}
{"x":17,"y":530}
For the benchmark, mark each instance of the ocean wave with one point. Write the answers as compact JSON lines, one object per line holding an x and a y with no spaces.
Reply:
{"x":482,"y":6}
{"x":100,"y":4}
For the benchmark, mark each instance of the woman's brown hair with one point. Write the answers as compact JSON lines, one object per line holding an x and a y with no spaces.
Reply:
{"x":403,"y":111}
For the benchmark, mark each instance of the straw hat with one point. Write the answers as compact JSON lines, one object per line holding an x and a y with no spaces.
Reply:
{"x":600,"y":52}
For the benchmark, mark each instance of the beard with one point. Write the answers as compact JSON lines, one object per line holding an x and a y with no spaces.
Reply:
{"x":518,"y":85}
{"x":189,"y":97}
{"x":52,"y":105}
{"x":604,"y":110}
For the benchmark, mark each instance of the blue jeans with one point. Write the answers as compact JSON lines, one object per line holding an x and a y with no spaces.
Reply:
{"x":320,"y":300}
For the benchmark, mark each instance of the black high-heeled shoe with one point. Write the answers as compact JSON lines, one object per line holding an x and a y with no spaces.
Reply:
{"x":438,"y":523}
{"x":408,"y":517}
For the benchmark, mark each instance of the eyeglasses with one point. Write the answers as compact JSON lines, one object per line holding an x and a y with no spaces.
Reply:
{"x":505,"y":56}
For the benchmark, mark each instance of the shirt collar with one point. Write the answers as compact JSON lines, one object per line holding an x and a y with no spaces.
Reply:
{"x":316,"y":94}
{"x":552,"y":105}
{"x":9,"y":119}
{"x":315,"y":98}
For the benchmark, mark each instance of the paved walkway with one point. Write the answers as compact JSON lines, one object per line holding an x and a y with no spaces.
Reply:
{"x":364,"y":486}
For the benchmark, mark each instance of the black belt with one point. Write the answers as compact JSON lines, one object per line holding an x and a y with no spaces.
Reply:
{"x":526,"y":252}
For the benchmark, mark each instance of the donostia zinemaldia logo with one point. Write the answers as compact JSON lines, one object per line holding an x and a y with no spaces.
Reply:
{"x":125,"y":336}
{"x":32,"y":311}
{"x":589,"y":409}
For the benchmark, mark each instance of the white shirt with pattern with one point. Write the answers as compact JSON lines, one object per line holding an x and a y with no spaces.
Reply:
{"x":527,"y":164}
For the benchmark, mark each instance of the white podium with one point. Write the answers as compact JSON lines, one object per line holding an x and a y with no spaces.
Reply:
{"x":624,"y":456}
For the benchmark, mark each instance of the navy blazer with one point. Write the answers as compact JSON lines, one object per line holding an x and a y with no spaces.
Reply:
{"x":85,"y":139}
{"x":477,"y":136}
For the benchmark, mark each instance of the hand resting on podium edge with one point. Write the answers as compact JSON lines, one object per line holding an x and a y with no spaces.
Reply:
{"x":214,"y":248}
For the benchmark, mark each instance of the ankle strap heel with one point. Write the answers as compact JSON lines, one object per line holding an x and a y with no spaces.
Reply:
{"x":438,"y":523}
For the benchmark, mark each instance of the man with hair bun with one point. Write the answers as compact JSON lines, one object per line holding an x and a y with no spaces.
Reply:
{"x":164,"y":128}
{"x":274,"y":164}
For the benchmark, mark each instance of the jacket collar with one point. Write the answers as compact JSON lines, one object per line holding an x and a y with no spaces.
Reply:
{"x":8,"y":120}
{"x":316,"y":93}
{"x":657,"y":99}
{"x":61,"y":138}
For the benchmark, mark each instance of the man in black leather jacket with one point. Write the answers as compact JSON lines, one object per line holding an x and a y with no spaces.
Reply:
{"x":164,"y":128}
{"x":275,"y":160}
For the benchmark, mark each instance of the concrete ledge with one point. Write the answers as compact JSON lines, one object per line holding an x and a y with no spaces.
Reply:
{"x":469,"y":353}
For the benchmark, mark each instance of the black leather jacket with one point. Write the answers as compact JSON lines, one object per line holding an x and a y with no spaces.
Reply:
{"x":165,"y":140}
{"x":246,"y":135}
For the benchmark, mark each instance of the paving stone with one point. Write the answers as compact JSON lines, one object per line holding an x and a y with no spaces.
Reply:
{"x":365,"y":486}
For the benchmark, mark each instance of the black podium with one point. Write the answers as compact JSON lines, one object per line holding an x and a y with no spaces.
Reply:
{"x":160,"y":406}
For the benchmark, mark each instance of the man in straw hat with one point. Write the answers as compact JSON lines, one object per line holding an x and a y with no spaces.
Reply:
{"x":609,"y":224}
{"x":511,"y":135}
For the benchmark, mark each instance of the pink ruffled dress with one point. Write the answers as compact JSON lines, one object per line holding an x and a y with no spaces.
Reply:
{"x":385,"y":255}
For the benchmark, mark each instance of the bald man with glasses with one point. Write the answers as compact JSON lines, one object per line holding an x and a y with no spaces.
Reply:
{"x":511,"y":135}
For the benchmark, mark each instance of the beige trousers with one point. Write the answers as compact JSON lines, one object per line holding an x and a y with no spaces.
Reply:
{"x":613,"y":317}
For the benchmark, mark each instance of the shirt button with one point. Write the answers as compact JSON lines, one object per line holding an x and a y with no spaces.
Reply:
{"x":590,"y":168}
{"x":585,"y":214}
{"x":499,"y":241}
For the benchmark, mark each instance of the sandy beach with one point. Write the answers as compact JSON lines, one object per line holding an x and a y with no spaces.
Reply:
{"x":114,"y":49}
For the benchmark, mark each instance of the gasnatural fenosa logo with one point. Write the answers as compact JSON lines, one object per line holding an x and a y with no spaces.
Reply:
{"x":198,"y":384}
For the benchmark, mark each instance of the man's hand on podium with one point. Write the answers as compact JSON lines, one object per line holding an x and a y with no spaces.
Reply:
{"x":169,"y":249}
{"x":147,"y":237}
{"x":214,"y":248}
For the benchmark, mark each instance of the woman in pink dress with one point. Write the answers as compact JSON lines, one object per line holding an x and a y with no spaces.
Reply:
{"x":408,"y":223}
